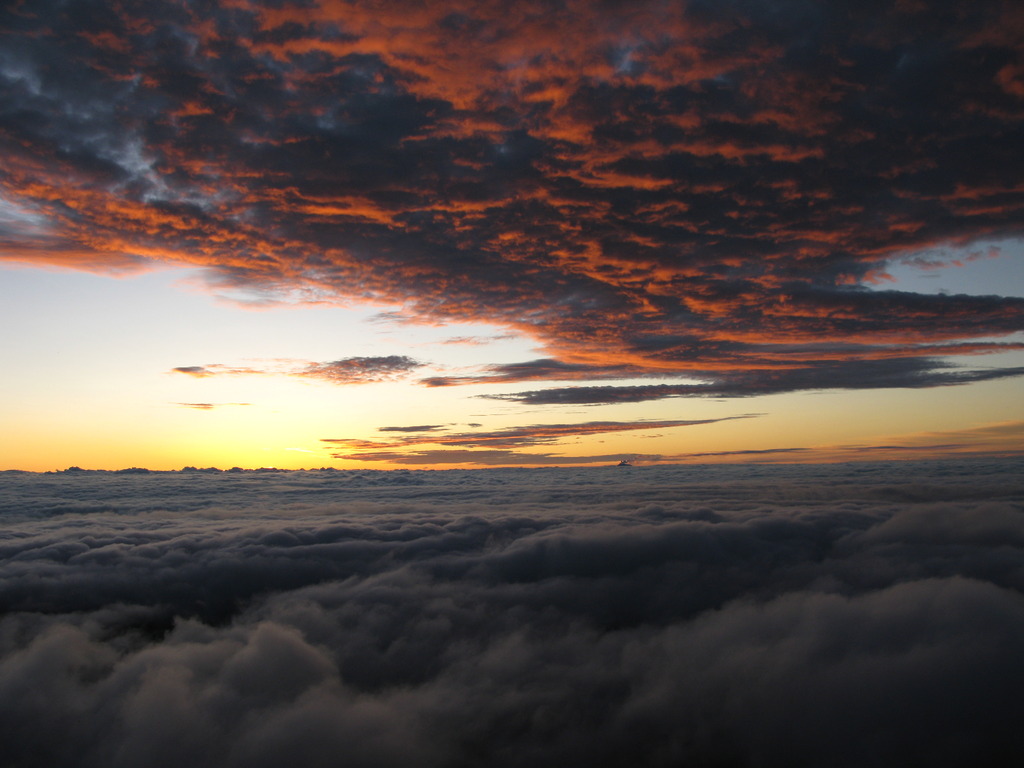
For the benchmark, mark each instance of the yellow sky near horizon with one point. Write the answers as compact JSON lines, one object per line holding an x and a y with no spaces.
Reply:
{"x":103,"y":394}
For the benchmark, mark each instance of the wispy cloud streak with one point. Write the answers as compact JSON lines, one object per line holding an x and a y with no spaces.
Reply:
{"x":501,"y":442}
{"x":350,"y":370}
{"x":913,"y":373}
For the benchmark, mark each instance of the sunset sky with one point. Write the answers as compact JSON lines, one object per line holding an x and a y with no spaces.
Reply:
{"x":374,"y":235}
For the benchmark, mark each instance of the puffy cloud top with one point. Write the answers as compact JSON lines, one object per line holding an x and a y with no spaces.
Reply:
{"x":849,"y":615}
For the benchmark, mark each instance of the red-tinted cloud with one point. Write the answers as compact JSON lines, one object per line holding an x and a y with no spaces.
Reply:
{"x":501,"y":440}
{"x":670,"y":188}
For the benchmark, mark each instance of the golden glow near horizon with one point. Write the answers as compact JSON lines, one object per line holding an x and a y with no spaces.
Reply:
{"x":112,"y":400}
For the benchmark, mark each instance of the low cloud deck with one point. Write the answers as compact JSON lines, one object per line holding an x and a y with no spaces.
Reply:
{"x":845,"y":615}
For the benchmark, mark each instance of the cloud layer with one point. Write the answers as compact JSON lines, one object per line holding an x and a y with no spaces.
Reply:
{"x":670,"y":189}
{"x":848,"y":615}
{"x":509,"y":437}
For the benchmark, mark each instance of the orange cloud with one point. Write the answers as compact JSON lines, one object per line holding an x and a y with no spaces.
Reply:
{"x":671,"y":188}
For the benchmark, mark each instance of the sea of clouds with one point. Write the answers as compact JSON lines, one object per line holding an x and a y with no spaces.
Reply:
{"x":840,"y":615}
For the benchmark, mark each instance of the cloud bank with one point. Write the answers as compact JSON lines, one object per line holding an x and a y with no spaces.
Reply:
{"x":671,"y":189}
{"x":846,"y":615}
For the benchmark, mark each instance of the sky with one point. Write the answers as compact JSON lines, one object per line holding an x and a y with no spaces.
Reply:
{"x":365,"y":235}
{"x":757,"y":616}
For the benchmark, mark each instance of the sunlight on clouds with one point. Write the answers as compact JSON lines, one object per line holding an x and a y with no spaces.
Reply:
{"x":365,"y":215}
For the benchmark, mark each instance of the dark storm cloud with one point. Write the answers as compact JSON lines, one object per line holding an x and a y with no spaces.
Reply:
{"x":678,"y":186}
{"x":847,"y":615}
